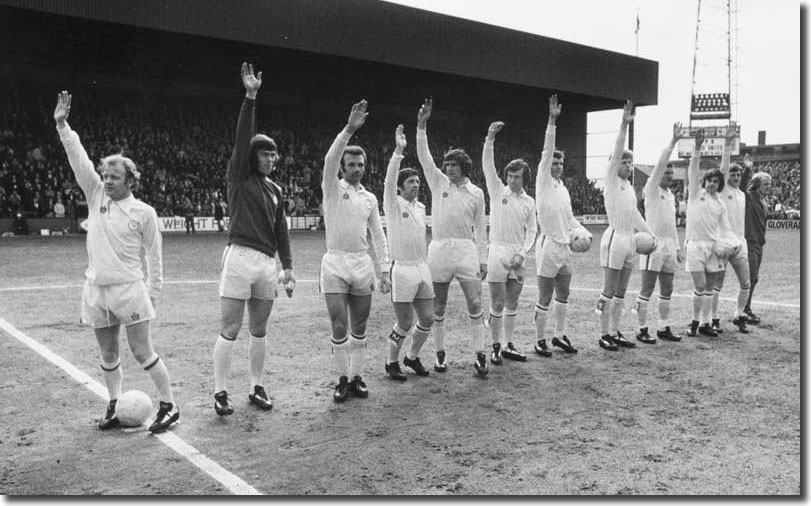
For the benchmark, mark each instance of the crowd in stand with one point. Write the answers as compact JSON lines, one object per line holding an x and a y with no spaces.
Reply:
{"x":183,"y":145}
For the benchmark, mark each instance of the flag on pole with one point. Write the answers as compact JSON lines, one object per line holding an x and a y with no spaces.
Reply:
{"x":637,"y":22}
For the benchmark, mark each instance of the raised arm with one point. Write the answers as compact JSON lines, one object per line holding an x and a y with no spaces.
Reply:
{"x":153,"y":253}
{"x":429,"y":169}
{"x":619,"y":145}
{"x":545,"y":166}
{"x":390,"y":186}
{"x":332,"y":162}
{"x":693,"y":179}
{"x":729,"y":139}
{"x":83,"y":168}
{"x":659,"y":169}
{"x":240,"y":164}
{"x":494,"y":185}
{"x":746,"y":175}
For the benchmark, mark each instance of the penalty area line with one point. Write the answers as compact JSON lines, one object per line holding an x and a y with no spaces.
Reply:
{"x":230,"y":481}
{"x":526,"y":285}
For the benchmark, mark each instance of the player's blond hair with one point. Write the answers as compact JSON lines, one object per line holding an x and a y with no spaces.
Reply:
{"x":132,"y":173}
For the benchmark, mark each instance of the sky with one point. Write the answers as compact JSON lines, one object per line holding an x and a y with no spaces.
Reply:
{"x":767,"y":95}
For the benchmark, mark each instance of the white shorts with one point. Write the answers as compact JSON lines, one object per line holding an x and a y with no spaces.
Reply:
{"x":498,"y":263}
{"x":247,"y":274}
{"x":342,"y":272}
{"x":617,"y":249}
{"x":411,"y":280}
{"x":552,"y":258}
{"x":700,"y":257}
{"x":121,"y":304}
{"x":740,"y":258}
{"x":453,"y":258}
{"x":663,"y":258}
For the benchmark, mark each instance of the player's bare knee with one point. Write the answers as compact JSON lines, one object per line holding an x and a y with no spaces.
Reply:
{"x":405,"y":323}
{"x":339,"y":330}
{"x":109,"y":356}
{"x":497,"y":306}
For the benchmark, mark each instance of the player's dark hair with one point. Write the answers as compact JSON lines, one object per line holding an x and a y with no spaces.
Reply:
{"x":261,"y":142}
{"x":735,"y":168}
{"x":459,"y":156}
{"x":517,"y":165}
{"x":558,"y":154}
{"x":711,"y":174}
{"x":405,"y":174}
{"x":353,"y":150}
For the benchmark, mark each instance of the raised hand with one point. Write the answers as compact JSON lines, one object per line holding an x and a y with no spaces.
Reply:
{"x":400,"y":142}
{"x":628,"y":112}
{"x":425,"y":113}
{"x":554,"y":107}
{"x":495,"y":127}
{"x":357,"y":116}
{"x":676,"y":132}
{"x":731,"y":133}
{"x":747,"y":161}
{"x":62,"y":110}
{"x":251,"y":82}
{"x":699,"y":137}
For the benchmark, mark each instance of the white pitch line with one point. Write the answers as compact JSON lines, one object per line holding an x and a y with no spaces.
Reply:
{"x":230,"y":481}
{"x":213,"y":281}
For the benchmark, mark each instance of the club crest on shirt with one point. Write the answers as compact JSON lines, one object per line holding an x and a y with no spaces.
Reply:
{"x":135,"y":316}
{"x":103,"y":209}
{"x":729,"y":197}
{"x":444,"y":195}
{"x":405,"y":214}
{"x":134,"y":225}
{"x":346,"y":196}
{"x":662,"y":197}
{"x":504,"y":201}
{"x":703,"y":199}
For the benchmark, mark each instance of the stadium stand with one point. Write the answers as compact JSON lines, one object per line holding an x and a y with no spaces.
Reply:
{"x":182,"y":145}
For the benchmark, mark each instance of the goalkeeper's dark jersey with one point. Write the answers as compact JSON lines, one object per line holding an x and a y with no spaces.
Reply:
{"x":256,"y":203}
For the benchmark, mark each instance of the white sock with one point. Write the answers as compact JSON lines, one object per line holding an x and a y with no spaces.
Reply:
{"x":561,"y":308}
{"x":357,"y":354}
{"x":616,"y":314}
{"x":705,"y":307}
{"x":222,"y":362}
{"x":541,"y":313}
{"x":716,"y":293}
{"x":477,"y":332}
{"x":642,"y":311}
{"x":664,"y":312}
{"x":439,"y":333}
{"x":418,"y":338}
{"x":256,"y":352}
{"x":496,"y":326}
{"x":340,"y":353}
{"x":698,"y":303}
{"x":113,"y":377}
{"x":160,"y":376}
{"x":605,"y":317}
{"x":509,"y":325}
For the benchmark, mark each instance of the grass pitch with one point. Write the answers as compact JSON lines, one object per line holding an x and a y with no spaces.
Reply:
{"x":704,"y":416}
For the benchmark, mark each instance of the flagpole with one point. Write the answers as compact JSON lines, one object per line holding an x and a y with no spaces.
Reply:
{"x":636,"y":32}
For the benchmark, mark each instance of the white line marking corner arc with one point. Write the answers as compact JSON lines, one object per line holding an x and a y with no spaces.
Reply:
{"x":232,"y":482}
